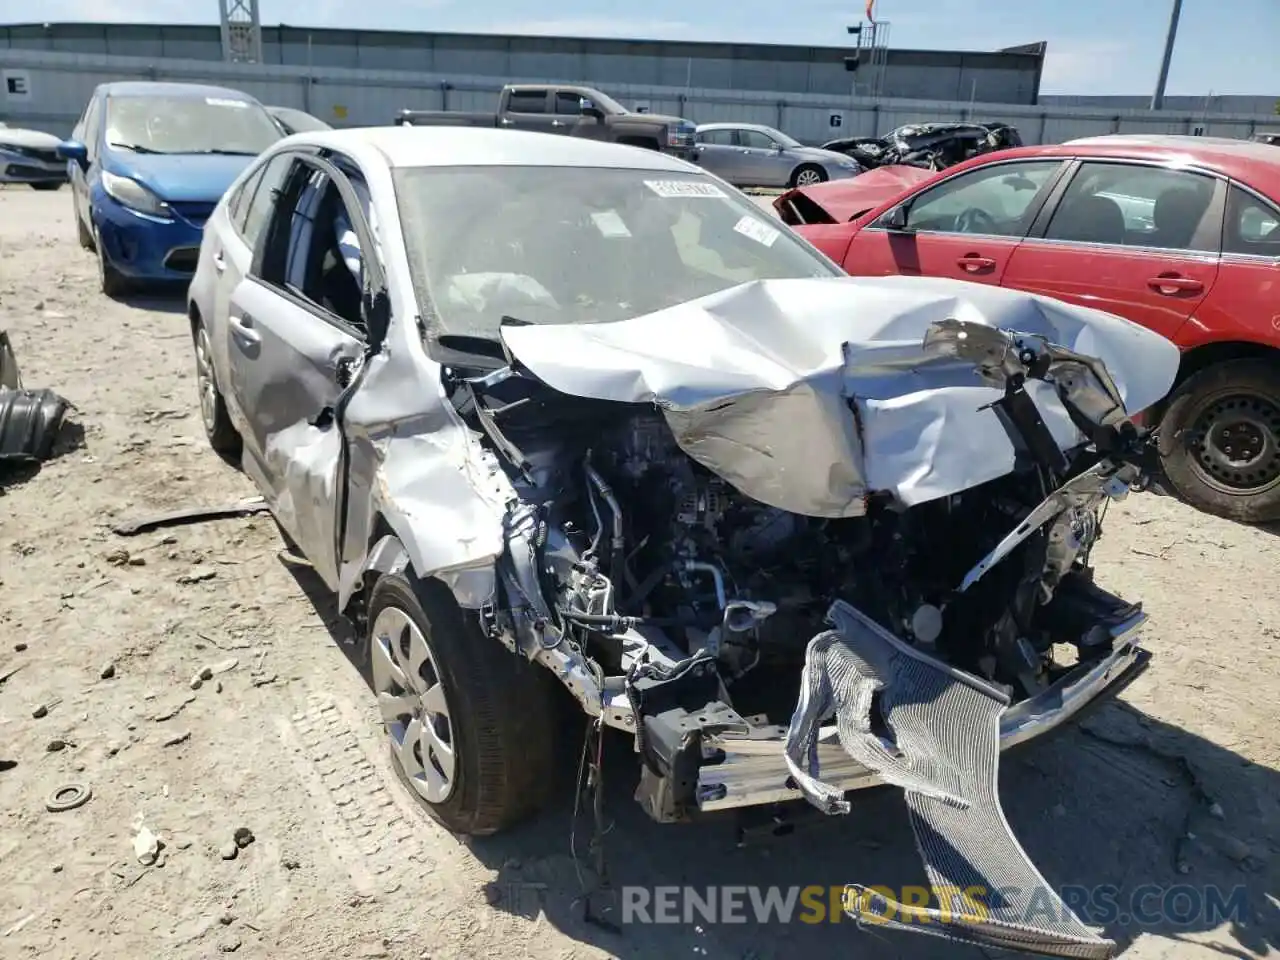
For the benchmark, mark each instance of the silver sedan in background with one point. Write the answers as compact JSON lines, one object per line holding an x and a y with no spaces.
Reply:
{"x":753,"y":155}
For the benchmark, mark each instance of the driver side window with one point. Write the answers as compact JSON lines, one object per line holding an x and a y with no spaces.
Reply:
{"x":1000,"y":200}
{"x":755,"y":140}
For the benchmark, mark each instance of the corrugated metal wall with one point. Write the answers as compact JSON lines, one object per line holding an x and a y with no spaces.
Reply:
{"x":57,"y":85}
{"x":928,"y":74}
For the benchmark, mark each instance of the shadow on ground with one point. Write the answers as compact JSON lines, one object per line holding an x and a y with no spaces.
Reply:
{"x":165,"y":298}
{"x":1169,"y":833}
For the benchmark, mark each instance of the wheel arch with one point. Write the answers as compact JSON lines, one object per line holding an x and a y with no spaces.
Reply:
{"x":387,"y":553}
{"x":1206,"y":355}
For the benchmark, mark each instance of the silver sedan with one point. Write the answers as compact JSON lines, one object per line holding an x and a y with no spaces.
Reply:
{"x":752,"y":155}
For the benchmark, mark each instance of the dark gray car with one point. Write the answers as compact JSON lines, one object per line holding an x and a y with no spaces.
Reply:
{"x":753,"y":155}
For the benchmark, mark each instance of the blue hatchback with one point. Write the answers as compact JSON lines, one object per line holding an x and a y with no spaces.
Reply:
{"x":148,"y":162}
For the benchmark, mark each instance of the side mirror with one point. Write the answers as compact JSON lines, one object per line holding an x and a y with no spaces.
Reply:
{"x":588,"y":108}
{"x":896,"y":218}
{"x":74,"y":150}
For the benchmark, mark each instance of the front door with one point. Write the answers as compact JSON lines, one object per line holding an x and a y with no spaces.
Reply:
{"x":966,"y":227}
{"x":296,"y":341}
{"x":763,"y":164}
{"x":1138,"y":240}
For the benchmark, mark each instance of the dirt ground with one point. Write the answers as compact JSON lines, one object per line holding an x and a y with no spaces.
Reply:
{"x":1177,"y":784}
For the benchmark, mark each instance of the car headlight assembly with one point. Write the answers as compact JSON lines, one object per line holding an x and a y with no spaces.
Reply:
{"x":135,"y":196}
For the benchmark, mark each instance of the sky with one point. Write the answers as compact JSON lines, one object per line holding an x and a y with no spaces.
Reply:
{"x":1095,"y":46}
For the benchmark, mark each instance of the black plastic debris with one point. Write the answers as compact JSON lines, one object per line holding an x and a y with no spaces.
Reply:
{"x":30,"y":420}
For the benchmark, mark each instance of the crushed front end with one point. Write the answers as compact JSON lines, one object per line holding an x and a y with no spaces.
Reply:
{"x":716,"y":577}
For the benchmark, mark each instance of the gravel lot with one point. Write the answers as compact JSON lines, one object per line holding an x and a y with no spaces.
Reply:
{"x":1175,"y":785}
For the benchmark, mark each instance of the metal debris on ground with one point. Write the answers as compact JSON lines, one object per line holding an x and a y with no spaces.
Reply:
{"x":241,"y":508}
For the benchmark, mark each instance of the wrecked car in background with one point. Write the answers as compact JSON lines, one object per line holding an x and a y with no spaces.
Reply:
{"x":30,"y":157}
{"x":933,"y":146}
{"x":584,"y":416}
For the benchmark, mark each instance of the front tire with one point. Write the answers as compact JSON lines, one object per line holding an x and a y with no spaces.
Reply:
{"x":1220,"y":440}
{"x":222,"y":434}
{"x":469,"y":723}
{"x":83,"y":235}
{"x":807,"y":175}
{"x":48,"y":185}
{"x":112,"y":282}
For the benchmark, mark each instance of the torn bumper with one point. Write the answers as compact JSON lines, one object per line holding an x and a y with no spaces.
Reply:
{"x":743,"y":770}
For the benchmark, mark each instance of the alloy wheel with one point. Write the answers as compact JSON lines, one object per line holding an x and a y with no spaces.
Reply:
{"x":205,"y":382}
{"x":807,"y":178}
{"x":415,"y":710}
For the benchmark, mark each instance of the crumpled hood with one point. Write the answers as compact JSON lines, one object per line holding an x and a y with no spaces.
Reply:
{"x":808,"y":395}
{"x":844,"y":200}
{"x":182,"y":177}
{"x":36,"y":139}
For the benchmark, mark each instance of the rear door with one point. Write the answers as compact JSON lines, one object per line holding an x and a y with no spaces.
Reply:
{"x":231,"y":244}
{"x":1136,"y":239}
{"x":296,"y":342}
{"x":529,"y":108}
{"x":966,"y":226}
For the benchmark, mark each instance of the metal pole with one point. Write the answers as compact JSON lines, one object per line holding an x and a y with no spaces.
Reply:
{"x":1157,"y":98}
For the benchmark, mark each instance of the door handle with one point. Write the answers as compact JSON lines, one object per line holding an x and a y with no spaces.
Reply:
{"x":506,"y":122}
{"x":558,"y":123}
{"x":242,"y":329}
{"x":974,"y":263}
{"x":219,"y":261}
{"x":1171,"y":286}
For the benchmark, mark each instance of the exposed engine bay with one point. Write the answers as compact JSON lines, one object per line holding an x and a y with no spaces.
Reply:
{"x":695,"y":579}
{"x":670,"y":602}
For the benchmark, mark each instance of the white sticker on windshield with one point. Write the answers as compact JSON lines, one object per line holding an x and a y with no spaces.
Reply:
{"x":678,"y":189}
{"x":220,"y":102}
{"x":610,"y":224}
{"x":757,"y":231}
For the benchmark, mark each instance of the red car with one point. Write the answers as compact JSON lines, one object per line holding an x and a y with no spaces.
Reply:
{"x":1179,"y":234}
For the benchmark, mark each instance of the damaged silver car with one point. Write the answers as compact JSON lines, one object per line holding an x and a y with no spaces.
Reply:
{"x":546,"y":412}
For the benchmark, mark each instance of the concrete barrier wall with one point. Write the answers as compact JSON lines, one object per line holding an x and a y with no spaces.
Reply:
{"x":48,"y":90}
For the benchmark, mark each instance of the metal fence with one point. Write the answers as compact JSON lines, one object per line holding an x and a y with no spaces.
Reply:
{"x":48,"y":90}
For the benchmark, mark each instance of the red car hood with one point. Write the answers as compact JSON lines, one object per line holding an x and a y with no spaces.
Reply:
{"x":839,"y":201}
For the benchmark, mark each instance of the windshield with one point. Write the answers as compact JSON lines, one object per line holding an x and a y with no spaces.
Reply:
{"x":189,"y":125}
{"x":788,"y":142}
{"x":582,"y":245}
{"x":605,"y":102}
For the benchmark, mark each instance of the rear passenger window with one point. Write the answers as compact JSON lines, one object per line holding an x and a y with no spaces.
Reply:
{"x":263,"y":199}
{"x":1136,"y":206}
{"x":527,"y":101}
{"x":1252,"y":226}
{"x":238,"y":205}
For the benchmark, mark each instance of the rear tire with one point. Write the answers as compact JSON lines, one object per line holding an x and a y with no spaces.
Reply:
{"x":223,"y":436}
{"x":1219,"y":440}
{"x":470,"y":727}
{"x":808,"y":174}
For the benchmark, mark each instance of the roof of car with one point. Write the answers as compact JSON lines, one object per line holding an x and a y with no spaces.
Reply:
{"x":737,"y":126}
{"x":1242,"y":159}
{"x":410,"y":146}
{"x":145,"y":88}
